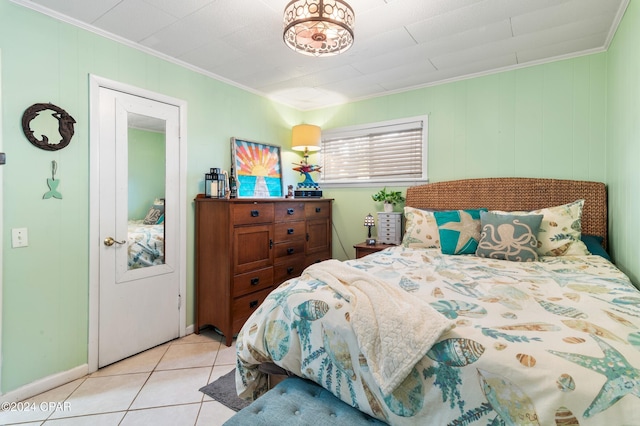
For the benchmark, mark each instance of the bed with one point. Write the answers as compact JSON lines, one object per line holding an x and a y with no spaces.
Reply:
{"x":145,"y":244}
{"x":461,"y":339}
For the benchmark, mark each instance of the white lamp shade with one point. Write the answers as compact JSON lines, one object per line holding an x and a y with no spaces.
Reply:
{"x":305,"y":137}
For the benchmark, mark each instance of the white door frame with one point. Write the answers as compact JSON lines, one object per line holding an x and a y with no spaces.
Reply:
{"x":1,"y":227}
{"x":95,"y":83}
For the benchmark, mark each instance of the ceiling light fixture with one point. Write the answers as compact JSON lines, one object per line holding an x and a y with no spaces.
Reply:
{"x":318,"y":27}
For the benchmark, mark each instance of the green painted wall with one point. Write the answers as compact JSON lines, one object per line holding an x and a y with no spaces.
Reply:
{"x":46,"y":285}
{"x":542,"y":121}
{"x":545,"y":121}
{"x":623,"y":142}
{"x":146,"y":171}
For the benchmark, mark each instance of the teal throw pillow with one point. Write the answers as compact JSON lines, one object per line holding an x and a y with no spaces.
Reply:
{"x":509,"y":237}
{"x":594,"y":245}
{"x":459,"y":230}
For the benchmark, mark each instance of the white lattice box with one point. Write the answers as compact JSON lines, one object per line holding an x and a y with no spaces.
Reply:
{"x":390,"y":228}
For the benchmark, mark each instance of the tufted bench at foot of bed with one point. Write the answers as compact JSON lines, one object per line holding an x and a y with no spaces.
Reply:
{"x":296,"y":401}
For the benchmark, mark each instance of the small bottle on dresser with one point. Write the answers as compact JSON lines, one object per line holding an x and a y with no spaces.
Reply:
{"x":233,"y":184}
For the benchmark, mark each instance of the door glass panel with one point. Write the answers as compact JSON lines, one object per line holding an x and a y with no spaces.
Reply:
{"x":146,"y":191}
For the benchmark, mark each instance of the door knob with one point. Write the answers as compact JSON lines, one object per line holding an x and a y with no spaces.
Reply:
{"x":109,"y":241}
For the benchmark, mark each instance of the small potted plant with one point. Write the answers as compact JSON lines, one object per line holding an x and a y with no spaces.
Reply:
{"x":388,"y":197}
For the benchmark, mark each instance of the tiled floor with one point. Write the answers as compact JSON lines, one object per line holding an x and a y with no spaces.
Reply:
{"x":157,"y":387}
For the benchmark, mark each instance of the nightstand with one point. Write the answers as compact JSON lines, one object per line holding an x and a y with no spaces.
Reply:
{"x":363,"y":249}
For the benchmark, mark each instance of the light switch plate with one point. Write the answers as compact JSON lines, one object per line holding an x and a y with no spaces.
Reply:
{"x":19,"y":237}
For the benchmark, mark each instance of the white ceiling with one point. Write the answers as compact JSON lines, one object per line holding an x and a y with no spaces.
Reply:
{"x":399,"y":44}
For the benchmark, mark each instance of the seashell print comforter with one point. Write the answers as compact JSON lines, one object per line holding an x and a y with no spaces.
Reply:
{"x":145,"y":245}
{"x":549,"y":342}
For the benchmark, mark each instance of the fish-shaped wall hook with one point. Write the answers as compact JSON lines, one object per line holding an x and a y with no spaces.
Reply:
{"x":53,"y":183}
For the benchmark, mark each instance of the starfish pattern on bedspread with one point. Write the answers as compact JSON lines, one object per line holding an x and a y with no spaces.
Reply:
{"x":622,"y":377}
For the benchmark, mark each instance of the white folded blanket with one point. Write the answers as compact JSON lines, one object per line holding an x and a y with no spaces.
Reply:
{"x":394,"y":328}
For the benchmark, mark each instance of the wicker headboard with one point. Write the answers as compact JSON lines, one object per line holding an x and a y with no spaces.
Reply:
{"x":512,"y":194}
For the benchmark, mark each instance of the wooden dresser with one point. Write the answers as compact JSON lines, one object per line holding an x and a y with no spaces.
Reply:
{"x":246,"y":247}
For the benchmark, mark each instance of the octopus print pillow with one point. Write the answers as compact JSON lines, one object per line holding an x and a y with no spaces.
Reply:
{"x":509,"y":237}
{"x":459,"y":230}
{"x":421,"y":229}
{"x":155,"y":215}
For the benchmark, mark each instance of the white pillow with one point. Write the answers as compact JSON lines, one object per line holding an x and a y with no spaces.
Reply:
{"x":560,"y":230}
{"x":421,"y":229}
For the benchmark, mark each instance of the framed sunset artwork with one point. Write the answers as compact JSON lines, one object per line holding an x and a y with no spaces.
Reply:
{"x":258,"y":168}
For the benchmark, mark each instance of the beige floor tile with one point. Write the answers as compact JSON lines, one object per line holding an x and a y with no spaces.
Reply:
{"x":21,"y":415}
{"x":169,"y":416}
{"x":98,"y":395}
{"x":226,"y":355}
{"x":143,"y":362}
{"x":172,"y":387}
{"x":189,"y":356}
{"x":39,"y":407}
{"x":107,"y":419}
{"x":213,"y":413}
{"x":219,"y":371}
{"x":159,"y":386}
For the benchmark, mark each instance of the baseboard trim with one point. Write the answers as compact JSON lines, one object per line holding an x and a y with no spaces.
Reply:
{"x":45,"y":384}
{"x":55,"y":380}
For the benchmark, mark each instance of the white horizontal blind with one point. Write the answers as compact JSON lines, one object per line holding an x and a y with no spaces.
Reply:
{"x":390,"y":151}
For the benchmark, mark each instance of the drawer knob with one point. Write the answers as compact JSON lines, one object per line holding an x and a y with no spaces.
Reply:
{"x":255,"y":281}
{"x":290,"y":270}
{"x":318,"y":209}
{"x":255,"y":213}
{"x":290,"y":231}
{"x":290,"y":250}
{"x":290,"y":211}
{"x":253,"y":304}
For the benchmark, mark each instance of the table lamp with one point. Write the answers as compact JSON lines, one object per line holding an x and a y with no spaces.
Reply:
{"x":306,"y":137}
{"x":369,"y":222}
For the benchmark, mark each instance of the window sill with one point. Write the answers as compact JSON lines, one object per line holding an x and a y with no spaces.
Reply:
{"x":372,"y":184}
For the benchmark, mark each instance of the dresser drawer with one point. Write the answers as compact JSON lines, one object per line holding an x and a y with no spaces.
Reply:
{"x":244,"y":306}
{"x":317,"y":257}
{"x":291,"y":248}
{"x":246,"y":214}
{"x":388,"y":240}
{"x":252,"y":281}
{"x":389,"y":219}
{"x":291,"y":267}
{"x":317,"y":210}
{"x":387,"y":232}
{"x":390,"y":215}
{"x":386,"y":221}
{"x":286,"y":212}
{"x":290,"y":231}
{"x":389,"y":237}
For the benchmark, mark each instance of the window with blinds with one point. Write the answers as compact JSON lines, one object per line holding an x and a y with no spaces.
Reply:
{"x":392,"y":151}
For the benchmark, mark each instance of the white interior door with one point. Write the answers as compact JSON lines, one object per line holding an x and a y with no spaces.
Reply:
{"x":139,"y":272}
